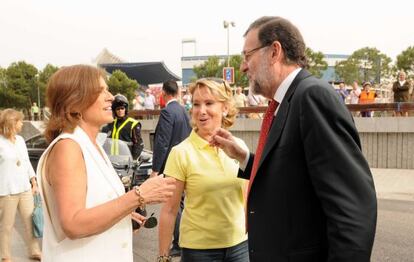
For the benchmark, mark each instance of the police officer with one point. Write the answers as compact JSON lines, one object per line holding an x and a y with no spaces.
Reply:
{"x":124,"y":128}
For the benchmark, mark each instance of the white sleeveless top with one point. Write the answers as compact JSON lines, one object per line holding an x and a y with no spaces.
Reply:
{"x":103,"y":185}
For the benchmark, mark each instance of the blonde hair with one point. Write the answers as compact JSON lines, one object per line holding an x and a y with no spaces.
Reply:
{"x":220,"y":89}
{"x":8,"y":120}
{"x":70,"y":91}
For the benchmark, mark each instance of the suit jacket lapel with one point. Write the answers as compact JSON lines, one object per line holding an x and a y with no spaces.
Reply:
{"x":281,"y":116}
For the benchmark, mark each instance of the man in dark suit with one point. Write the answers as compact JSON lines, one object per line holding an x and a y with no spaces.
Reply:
{"x":311,"y":194}
{"x":172,"y":128}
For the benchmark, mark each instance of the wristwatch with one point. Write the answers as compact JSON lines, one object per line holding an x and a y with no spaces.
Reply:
{"x":141,"y":200}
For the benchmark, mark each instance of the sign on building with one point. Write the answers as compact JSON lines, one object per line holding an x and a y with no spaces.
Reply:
{"x":228,"y":74}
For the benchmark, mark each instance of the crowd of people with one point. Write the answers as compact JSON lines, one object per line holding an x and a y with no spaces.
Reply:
{"x":287,"y":201}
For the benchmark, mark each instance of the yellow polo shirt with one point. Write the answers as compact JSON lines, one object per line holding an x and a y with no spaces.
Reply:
{"x":213,"y":215}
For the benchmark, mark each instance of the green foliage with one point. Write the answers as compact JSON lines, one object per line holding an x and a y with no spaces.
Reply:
{"x":9,"y":99}
{"x":405,"y":61}
{"x":43,"y":78}
{"x":365,"y":64}
{"x":210,"y":68}
{"x":119,"y":83}
{"x":316,"y":62}
{"x":213,"y":68}
{"x":21,"y":79}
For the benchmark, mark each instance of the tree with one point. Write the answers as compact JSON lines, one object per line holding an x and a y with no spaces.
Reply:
{"x":21,"y":79}
{"x":214,"y":68}
{"x":43,"y":79}
{"x":119,"y":83}
{"x":210,"y":68}
{"x":316,"y":62}
{"x":405,"y":61}
{"x":365,"y":64}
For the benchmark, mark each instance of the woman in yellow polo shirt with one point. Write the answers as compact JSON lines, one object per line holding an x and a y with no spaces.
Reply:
{"x":213,"y":221}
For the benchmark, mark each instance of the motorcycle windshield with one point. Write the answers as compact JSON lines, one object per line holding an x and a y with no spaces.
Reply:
{"x":117,"y":151}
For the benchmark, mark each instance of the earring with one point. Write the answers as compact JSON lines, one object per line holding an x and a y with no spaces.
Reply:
{"x":224,"y":114}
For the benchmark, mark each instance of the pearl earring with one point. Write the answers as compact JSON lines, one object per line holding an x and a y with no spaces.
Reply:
{"x":224,"y":114}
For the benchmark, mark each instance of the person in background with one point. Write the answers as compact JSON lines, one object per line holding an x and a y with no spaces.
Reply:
{"x":149,"y":100}
{"x":17,"y":185}
{"x":240,"y":99}
{"x":367,"y":96}
{"x":35,"y":111}
{"x":138,"y":102}
{"x":255,"y":100}
{"x":401,"y":89}
{"x":311,"y":195}
{"x":354,"y":94}
{"x":124,"y":128}
{"x":172,"y":128}
{"x":212,"y":224}
{"x":187,"y":100}
{"x":87,"y":212}
{"x":343,"y":93}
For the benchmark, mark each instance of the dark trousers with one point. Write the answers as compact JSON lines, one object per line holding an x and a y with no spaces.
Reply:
{"x":237,"y":253}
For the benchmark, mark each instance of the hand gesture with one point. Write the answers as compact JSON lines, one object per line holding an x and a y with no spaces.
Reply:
{"x":224,"y":140}
{"x":157,"y":189}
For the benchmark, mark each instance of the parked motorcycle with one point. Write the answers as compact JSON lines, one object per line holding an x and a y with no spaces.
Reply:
{"x":131,"y":172}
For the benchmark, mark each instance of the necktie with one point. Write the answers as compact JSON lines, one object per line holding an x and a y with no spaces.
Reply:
{"x":264,"y":131}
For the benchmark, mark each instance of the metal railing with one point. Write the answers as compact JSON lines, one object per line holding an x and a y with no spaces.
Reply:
{"x":381,"y":107}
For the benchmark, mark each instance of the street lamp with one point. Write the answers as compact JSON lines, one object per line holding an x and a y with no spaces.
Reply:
{"x":227,"y":25}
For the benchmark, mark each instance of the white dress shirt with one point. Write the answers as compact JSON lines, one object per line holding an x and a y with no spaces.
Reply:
{"x":15,"y":167}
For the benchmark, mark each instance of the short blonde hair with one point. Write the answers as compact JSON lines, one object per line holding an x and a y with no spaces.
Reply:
{"x":220,"y":89}
{"x":8,"y":120}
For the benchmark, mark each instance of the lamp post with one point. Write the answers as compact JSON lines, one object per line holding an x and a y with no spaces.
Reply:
{"x":227,"y":25}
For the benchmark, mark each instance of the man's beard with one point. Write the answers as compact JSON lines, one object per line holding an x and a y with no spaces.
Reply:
{"x":261,"y":82}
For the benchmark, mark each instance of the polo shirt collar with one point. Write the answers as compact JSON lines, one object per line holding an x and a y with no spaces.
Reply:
{"x":199,"y":142}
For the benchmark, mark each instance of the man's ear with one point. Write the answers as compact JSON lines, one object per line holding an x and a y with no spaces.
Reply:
{"x":277,"y":52}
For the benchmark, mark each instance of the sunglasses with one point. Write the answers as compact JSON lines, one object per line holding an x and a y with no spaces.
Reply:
{"x":218,"y":81}
{"x":120,"y":108}
{"x":150,"y":222}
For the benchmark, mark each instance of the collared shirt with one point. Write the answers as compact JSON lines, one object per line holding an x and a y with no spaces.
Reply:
{"x":169,"y":101}
{"x":213,"y":215}
{"x":15,"y":167}
{"x":279,"y":95}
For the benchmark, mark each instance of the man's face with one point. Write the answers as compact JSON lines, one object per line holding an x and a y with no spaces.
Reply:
{"x":120,"y":111}
{"x":401,"y":76}
{"x":256,"y":65}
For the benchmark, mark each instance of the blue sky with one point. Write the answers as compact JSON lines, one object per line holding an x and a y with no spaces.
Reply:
{"x":72,"y":32}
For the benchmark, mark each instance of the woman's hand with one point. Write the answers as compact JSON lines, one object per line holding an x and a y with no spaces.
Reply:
{"x":140,"y":219}
{"x":157,"y":189}
{"x":35,"y":189}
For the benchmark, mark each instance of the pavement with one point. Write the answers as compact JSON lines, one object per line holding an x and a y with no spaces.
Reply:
{"x":391,"y":184}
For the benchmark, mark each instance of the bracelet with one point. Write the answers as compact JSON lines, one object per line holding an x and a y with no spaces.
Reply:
{"x":141,"y":200}
{"x":164,"y":259}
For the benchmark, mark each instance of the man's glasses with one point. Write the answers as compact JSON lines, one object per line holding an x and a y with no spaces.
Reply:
{"x":120,"y":108}
{"x":247,"y":54}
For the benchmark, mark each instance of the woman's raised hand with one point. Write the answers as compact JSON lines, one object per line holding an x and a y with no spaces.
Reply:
{"x":157,"y":189}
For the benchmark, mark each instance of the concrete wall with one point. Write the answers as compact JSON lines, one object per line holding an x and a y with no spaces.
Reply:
{"x":387,"y":142}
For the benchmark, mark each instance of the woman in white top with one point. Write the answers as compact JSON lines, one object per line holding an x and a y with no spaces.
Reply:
{"x":87,"y":212}
{"x":17,"y":184}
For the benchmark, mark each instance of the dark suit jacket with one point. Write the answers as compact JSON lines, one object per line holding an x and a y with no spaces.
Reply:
{"x":172,"y":128}
{"x":313,"y":198}
{"x":401,"y":93}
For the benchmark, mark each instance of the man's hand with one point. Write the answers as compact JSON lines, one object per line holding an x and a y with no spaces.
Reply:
{"x":224,"y":140}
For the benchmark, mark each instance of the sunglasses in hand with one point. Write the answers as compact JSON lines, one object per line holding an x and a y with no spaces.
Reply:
{"x":150,"y":222}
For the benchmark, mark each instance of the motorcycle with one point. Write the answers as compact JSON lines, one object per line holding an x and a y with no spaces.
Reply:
{"x":131,"y":172}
